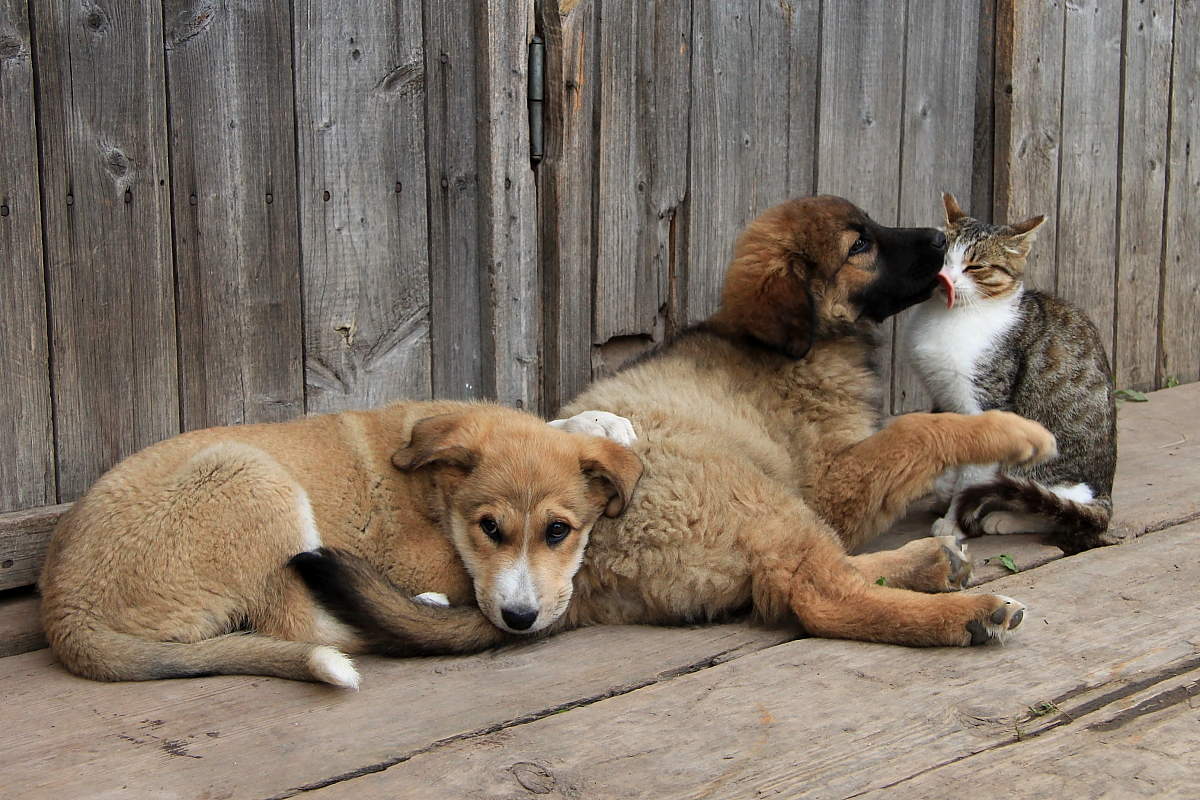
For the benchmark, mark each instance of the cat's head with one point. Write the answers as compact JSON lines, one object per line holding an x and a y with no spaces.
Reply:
{"x":983,"y":261}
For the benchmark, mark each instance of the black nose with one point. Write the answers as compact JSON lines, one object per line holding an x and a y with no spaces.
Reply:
{"x":939,"y":240}
{"x":518,"y":620}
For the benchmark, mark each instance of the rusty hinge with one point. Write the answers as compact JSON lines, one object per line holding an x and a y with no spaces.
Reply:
{"x":537,"y":91}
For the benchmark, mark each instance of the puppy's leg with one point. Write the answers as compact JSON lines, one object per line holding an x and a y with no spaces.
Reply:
{"x":869,"y":485}
{"x":812,"y":577}
{"x":931,"y":564}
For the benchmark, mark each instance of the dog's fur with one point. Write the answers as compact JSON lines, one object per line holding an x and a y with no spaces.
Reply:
{"x":764,"y":460}
{"x":175,"y":563}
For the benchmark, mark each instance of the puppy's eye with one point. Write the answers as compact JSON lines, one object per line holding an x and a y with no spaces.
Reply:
{"x":860,"y":246}
{"x":491,"y":529}
{"x":556,"y":532}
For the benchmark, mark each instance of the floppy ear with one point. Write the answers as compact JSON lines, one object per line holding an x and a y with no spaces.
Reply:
{"x":437,"y":440}
{"x":953,"y":212}
{"x":769,"y":300}
{"x":614,"y":471}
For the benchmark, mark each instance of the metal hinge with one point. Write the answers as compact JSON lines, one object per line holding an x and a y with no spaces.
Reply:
{"x":537,"y":92}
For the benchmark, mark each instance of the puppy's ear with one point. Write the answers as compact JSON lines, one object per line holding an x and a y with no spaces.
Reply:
{"x":437,"y":440}
{"x":613,"y":472}
{"x":953,"y":212}
{"x":766,"y":297}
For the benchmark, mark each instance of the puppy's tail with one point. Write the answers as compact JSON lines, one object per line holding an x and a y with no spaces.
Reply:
{"x":1074,"y":526}
{"x":87,"y":646}
{"x":388,"y":620}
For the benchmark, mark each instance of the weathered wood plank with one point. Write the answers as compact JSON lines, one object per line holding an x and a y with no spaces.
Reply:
{"x":1086,"y":236}
{"x":1179,"y":324}
{"x":1142,"y":190}
{"x":508,"y":217}
{"x":106,"y":204}
{"x":453,"y":118}
{"x":1029,"y":66}
{"x":644,"y":63}
{"x":20,"y":624}
{"x":739,"y":145}
{"x":936,"y":155}
{"x":1145,"y":745}
{"x":803,"y":83}
{"x":859,"y":151}
{"x":26,"y":434}
{"x":983,"y":172}
{"x":24,"y":536}
{"x":360,"y":89}
{"x":233,"y":166}
{"x":259,"y":737}
{"x":820,"y":718}
{"x":565,"y":198}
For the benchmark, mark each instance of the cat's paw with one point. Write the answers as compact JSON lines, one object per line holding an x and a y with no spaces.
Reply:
{"x":599,"y":423}
{"x":947,"y":528}
{"x":1019,"y":440}
{"x":995,"y":622}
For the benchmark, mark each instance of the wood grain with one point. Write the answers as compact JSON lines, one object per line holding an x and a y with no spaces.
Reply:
{"x":360,"y":121}
{"x":24,"y":536}
{"x":936,"y":155}
{"x":1029,"y":75}
{"x":20,"y":623}
{"x":26,"y":435}
{"x":1086,"y":236}
{"x":859,"y":147}
{"x":1179,"y":325}
{"x":258,"y":737}
{"x":565,"y":198}
{"x":819,"y":718}
{"x":1142,"y":187}
{"x":106,"y":205}
{"x":233,"y":167}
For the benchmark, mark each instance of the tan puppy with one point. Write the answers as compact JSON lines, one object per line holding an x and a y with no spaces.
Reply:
{"x":765,"y":462}
{"x":174,"y":564}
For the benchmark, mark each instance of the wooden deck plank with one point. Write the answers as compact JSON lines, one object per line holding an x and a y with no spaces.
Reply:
{"x":257,"y":737}
{"x":236,"y":227}
{"x":20,"y":625}
{"x":27,"y":476}
{"x":820,"y":718}
{"x":360,"y":89}
{"x":24,"y":536}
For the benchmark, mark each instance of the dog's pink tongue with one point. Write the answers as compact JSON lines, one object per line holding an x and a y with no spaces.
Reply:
{"x":947,"y":284}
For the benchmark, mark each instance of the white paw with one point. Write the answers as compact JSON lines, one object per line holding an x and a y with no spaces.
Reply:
{"x":947,"y":527}
{"x":599,"y":423}
{"x":432,"y":599}
{"x":333,"y":667}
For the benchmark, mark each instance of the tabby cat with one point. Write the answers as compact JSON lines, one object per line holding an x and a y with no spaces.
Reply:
{"x":985,"y":341}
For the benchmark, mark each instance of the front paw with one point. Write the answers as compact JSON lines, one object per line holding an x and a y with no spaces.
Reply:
{"x":948,"y":528}
{"x":1017,"y":440}
{"x":599,"y":423}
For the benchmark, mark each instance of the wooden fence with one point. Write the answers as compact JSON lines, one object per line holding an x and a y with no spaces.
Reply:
{"x":216,"y":212}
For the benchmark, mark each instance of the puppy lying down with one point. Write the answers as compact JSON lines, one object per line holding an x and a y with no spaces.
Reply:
{"x":175,"y":563}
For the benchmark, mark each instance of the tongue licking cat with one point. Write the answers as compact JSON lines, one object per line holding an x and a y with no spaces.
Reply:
{"x":948,"y":285}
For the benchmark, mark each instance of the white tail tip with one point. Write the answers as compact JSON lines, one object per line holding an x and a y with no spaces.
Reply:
{"x":333,"y":667}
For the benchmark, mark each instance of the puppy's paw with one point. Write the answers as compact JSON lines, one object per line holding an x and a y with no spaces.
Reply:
{"x":436,"y":599}
{"x":1022,"y":441}
{"x":995,"y":622}
{"x":599,"y":423}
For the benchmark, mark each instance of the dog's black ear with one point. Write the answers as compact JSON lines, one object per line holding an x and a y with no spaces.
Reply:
{"x":613,"y":470}
{"x":437,"y":440}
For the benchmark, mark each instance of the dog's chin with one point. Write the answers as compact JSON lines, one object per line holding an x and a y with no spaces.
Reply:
{"x":877,"y":311}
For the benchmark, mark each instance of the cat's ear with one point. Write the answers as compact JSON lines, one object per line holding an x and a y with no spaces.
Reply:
{"x":1025,"y":230}
{"x":953,"y":212}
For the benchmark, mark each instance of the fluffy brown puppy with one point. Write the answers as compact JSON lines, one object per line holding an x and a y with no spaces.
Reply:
{"x":765,"y":462}
{"x":175,"y":563}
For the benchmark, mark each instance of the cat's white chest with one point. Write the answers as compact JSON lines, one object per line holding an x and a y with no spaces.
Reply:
{"x":946,"y":346}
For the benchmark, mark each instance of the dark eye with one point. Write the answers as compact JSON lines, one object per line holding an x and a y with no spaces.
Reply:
{"x":860,"y":246}
{"x":491,"y":529}
{"x":556,"y":532}
{"x":973,"y":267}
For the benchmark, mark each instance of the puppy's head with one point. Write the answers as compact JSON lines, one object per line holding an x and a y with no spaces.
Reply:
{"x":816,"y":266}
{"x":519,"y":499}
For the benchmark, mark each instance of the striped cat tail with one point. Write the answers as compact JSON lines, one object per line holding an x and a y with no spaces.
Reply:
{"x":1009,"y":504}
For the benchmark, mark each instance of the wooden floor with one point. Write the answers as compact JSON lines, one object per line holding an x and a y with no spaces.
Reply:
{"x":1099,"y":696}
